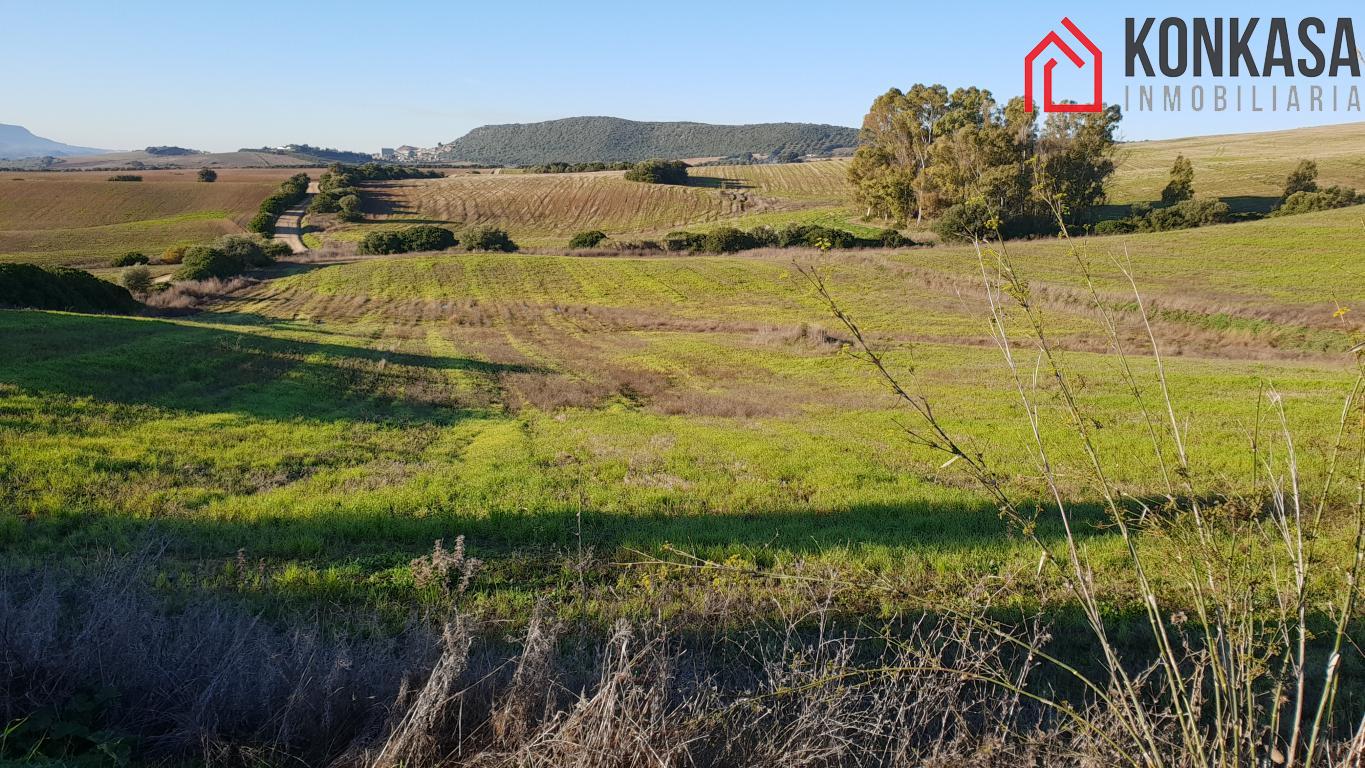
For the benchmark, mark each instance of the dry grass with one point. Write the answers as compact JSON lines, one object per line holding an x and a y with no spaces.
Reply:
{"x":83,"y":219}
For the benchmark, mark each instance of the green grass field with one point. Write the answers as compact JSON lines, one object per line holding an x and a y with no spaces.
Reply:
{"x":571,"y":416}
{"x":574,"y":417}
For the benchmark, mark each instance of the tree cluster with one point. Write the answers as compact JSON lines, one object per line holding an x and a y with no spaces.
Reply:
{"x":659,"y":172}
{"x":560,"y":167}
{"x":229,"y":255}
{"x":339,"y":187}
{"x":290,"y":193}
{"x":929,"y":152}
{"x":59,"y":288}
{"x":1302,"y":195}
{"x":730,"y":239}
{"x":427,"y":237}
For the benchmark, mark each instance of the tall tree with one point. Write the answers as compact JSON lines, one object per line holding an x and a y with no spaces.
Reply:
{"x":1181,"y":185}
{"x":1304,"y":178}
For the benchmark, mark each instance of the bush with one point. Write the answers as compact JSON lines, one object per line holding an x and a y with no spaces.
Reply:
{"x":263,"y":223}
{"x":175,"y":254}
{"x":428,"y":238}
{"x":136,"y":279}
{"x":590,"y":239}
{"x":488,"y":239}
{"x":1186,"y":215}
{"x":204,"y":261}
{"x":683,"y":241}
{"x":791,"y":236}
{"x":208,"y":174}
{"x":727,"y":240}
{"x":125,"y":177}
{"x":824,"y":238}
{"x":659,"y":172}
{"x":892,"y":238}
{"x":129,"y":259}
{"x":59,"y":288}
{"x":383,"y":243}
{"x":1115,"y":227}
{"x":348,"y":208}
{"x":1321,"y":200}
{"x":276,"y":249}
{"x":248,"y":251}
{"x":963,"y":222}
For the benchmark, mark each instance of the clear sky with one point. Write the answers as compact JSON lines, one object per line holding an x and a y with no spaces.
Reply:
{"x":220,"y":75}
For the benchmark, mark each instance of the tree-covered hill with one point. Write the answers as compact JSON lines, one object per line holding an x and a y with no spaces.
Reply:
{"x":608,"y":139}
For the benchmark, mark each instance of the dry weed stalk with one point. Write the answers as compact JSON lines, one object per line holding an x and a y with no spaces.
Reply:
{"x":1229,"y":687}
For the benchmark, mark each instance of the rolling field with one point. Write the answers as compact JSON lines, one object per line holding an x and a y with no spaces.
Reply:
{"x":542,"y":209}
{"x":1242,"y":165}
{"x":569,"y":415}
{"x":83,"y":219}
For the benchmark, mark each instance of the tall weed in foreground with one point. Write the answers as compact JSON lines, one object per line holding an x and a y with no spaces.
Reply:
{"x":1249,"y":616}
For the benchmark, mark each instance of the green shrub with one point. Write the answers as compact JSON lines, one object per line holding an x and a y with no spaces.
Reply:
{"x":59,"y":288}
{"x":1186,"y":215}
{"x":488,"y":239}
{"x":683,"y":241}
{"x":1321,"y":200}
{"x":276,"y":249}
{"x":204,"y":261}
{"x":129,"y":259}
{"x":963,"y":222}
{"x":428,"y":238}
{"x":791,"y":236}
{"x":138,"y":280}
{"x":659,"y":172}
{"x":892,"y":238}
{"x":207,"y":175}
{"x":826,"y":237}
{"x":348,"y":208}
{"x":727,"y":240}
{"x":1115,"y":227}
{"x":125,"y":177}
{"x":262,"y":223}
{"x":382,"y":243}
{"x":589,"y":239}
{"x":250,"y":252}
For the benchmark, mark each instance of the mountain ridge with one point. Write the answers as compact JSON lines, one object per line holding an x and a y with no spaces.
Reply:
{"x":613,"y":139}
{"x":19,"y":143}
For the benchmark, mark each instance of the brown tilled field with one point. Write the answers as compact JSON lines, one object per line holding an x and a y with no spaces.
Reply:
{"x":536,"y":206}
{"x":85,"y":219}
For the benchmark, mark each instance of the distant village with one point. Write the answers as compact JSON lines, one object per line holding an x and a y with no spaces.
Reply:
{"x":410,"y":154}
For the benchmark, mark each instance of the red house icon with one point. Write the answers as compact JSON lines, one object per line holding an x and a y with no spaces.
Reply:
{"x":1097,"y":103}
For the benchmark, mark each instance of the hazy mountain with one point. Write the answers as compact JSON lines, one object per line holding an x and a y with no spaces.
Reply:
{"x":17,"y":142}
{"x":608,"y":139}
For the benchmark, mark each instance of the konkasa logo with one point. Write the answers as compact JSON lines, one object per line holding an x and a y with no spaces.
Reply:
{"x":1048,"y":49}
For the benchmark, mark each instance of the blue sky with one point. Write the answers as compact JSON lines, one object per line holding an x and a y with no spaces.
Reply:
{"x":219,"y":76}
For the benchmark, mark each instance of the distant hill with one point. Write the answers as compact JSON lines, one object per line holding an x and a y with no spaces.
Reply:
{"x":610,"y":139}
{"x":16,"y":142}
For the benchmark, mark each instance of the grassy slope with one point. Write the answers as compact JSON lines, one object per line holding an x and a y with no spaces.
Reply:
{"x":333,"y":423}
{"x":84,"y":219}
{"x":1242,"y":165}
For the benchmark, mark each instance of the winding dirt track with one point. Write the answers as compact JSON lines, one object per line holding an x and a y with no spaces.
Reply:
{"x":289,"y":227}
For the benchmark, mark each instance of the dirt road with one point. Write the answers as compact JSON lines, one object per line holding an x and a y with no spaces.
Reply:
{"x":289,"y":227}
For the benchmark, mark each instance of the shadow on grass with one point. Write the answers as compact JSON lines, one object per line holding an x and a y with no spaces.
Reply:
{"x":191,"y":367}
